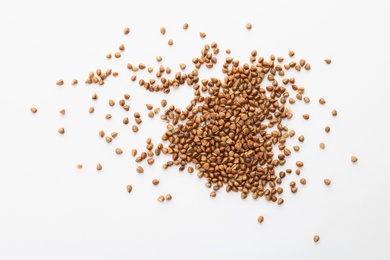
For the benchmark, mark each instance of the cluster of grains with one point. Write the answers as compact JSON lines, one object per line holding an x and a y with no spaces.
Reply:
{"x":227,"y":133}
{"x":233,"y":130}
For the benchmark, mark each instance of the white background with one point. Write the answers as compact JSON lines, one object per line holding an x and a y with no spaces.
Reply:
{"x":51,"y":210}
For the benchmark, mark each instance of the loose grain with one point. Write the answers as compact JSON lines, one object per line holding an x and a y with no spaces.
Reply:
{"x":202,"y":34}
{"x":163,"y":30}
{"x":99,"y":167}
{"x":354,"y":159}
{"x":129,"y":188}
{"x":327,"y":129}
{"x":334,"y":112}
{"x":322,"y":145}
{"x":316,"y":238}
{"x":140,"y":169}
{"x":302,"y":181}
{"x":160,"y":198}
{"x":168,"y":197}
{"x":185,"y":26}
{"x":61,"y":130}
{"x":328,"y":61}
{"x":248,"y":26}
{"x":327,"y":182}
{"x":150,"y":161}
{"x":118,"y":151}
{"x":260,"y":219}
{"x":155,"y":182}
{"x":126,"y":31}
{"x":33,"y":110}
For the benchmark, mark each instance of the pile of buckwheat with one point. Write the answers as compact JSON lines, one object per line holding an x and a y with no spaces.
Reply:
{"x":232,"y":132}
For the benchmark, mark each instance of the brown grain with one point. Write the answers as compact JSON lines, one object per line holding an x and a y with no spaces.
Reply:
{"x":129,"y":188}
{"x":140,"y":169}
{"x":99,"y":167}
{"x":299,"y":164}
{"x":160,"y":198}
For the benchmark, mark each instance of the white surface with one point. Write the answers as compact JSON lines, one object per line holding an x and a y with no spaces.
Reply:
{"x":51,"y":210}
